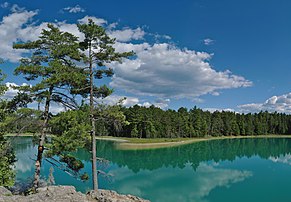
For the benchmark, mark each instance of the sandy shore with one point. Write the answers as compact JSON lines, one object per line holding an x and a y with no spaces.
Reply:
{"x":126,"y":145}
{"x":111,"y":139}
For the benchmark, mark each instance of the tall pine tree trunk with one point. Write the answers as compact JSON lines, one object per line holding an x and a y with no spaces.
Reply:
{"x":93,"y":131}
{"x":42,"y":141}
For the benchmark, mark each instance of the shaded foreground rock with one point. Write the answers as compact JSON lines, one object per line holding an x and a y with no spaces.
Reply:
{"x":112,"y":196}
{"x":67,"y":194}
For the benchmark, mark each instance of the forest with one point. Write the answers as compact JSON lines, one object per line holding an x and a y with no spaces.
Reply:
{"x":153,"y":122}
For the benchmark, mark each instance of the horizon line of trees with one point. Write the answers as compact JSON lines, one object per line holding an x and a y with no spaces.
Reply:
{"x":152,"y":122}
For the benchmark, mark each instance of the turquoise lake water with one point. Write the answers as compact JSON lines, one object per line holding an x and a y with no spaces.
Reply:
{"x":234,"y":170}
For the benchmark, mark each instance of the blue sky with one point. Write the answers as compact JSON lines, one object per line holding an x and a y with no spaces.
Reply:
{"x":227,"y":54}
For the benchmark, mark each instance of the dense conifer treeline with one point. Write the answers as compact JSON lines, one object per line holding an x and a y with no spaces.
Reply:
{"x":154,"y":122}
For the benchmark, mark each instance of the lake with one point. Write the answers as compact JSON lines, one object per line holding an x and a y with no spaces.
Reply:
{"x":255,"y":169}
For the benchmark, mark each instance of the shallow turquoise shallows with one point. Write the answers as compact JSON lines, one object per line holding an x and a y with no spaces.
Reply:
{"x":257,"y":169}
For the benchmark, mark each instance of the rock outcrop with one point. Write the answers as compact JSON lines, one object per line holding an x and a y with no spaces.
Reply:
{"x":112,"y":196}
{"x":67,"y":194}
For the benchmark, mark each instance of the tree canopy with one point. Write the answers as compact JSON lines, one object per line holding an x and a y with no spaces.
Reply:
{"x":51,"y":66}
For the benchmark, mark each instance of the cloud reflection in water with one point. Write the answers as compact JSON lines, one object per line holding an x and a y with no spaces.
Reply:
{"x":189,"y":185}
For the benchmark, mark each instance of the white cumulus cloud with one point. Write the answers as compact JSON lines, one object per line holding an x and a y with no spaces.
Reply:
{"x":97,"y":21}
{"x":11,"y":30}
{"x":117,"y":99}
{"x":11,"y":92}
{"x":75,"y":9}
{"x":208,"y":41}
{"x":166,"y":71}
{"x":160,"y":70}
{"x":160,"y":103}
{"x":19,"y":26}
{"x":281,"y":103}
{"x":127,"y":34}
{"x":129,"y":101}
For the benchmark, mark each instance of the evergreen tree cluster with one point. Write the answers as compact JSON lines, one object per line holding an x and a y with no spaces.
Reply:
{"x":154,"y":122}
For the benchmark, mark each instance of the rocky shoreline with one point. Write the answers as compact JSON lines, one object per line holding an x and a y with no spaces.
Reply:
{"x":67,"y":194}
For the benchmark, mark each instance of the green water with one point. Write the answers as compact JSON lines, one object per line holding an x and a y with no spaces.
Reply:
{"x":221,"y":170}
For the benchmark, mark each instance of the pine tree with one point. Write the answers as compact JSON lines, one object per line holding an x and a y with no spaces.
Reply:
{"x":50,"y":66}
{"x":99,"y":51}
